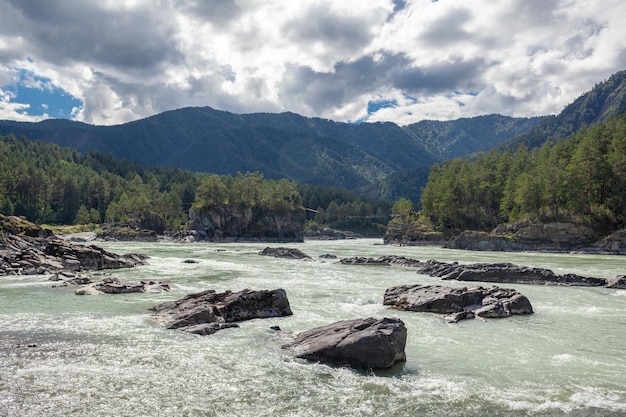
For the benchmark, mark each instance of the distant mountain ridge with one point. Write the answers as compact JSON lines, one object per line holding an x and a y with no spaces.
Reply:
{"x":303,"y":149}
{"x":379,"y":160}
{"x":605,"y":101}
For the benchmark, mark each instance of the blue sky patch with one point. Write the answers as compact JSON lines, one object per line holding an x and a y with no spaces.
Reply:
{"x":374,"y":105}
{"x":43,"y":96}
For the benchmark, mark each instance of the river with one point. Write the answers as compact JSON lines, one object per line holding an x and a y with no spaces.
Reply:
{"x":68,"y":355}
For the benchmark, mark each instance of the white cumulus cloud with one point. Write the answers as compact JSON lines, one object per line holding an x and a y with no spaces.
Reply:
{"x":129,"y":59}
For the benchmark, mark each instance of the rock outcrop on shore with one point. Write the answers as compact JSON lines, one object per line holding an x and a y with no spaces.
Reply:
{"x":460,"y":303}
{"x":527,"y":236}
{"x":613,"y":244}
{"x":206,"y":312}
{"x":554,"y":237}
{"x":33,"y":251}
{"x":326,"y":233}
{"x":361,"y":343}
{"x":234,"y":222}
{"x":404,"y":230}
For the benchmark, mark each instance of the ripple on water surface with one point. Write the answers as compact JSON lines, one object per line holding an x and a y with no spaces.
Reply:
{"x":101,"y":356}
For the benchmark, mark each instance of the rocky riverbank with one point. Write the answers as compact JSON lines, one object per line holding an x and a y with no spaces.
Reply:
{"x":553,"y":237}
{"x":27,"y":249}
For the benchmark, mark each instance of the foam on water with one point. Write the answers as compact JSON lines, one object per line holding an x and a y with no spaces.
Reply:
{"x":103,"y":355}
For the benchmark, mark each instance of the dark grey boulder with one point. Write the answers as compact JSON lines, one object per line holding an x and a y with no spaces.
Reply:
{"x":284,"y":253}
{"x":504,"y":273}
{"x":362,"y":343}
{"x":208,"y":311}
{"x":382,"y":260}
{"x":458,"y":303}
{"x":432,"y":298}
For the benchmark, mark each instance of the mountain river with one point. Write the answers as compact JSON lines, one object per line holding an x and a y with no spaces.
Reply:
{"x":68,"y":355}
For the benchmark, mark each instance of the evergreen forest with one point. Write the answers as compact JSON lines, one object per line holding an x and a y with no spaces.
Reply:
{"x":49,"y":184}
{"x":581,"y":179}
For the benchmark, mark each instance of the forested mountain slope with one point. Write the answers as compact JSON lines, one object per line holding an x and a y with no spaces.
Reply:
{"x":307,"y":150}
{"x":456,"y":138}
{"x":581,"y":179}
{"x":377,"y":160}
{"x":604,"y":102}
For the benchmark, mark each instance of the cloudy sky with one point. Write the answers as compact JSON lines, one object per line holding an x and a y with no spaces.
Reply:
{"x":113,"y":61}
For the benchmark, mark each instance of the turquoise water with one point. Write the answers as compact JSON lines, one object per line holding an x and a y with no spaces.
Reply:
{"x":103,"y":356}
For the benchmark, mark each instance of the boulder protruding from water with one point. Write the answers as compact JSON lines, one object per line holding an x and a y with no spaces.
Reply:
{"x":208,"y":311}
{"x":290,"y":253}
{"x":361,"y":343}
{"x":115,"y":286}
{"x":461,"y":303}
{"x":382,"y":260}
{"x":505,"y":273}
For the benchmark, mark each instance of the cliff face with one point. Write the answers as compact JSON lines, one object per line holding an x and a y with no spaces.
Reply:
{"x":233,"y":222}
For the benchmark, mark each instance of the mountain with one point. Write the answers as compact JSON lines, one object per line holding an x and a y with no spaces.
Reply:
{"x":456,"y":138}
{"x":309,"y":150}
{"x":604,"y":102}
{"x":378,"y":160}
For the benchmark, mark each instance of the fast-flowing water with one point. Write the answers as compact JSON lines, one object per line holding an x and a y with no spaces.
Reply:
{"x":63,"y":354}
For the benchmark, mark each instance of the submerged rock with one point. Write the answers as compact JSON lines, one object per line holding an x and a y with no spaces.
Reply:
{"x":284,"y":253}
{"x":461,"y":303}
{"x":208,"y":311}
{"x":362,"y":343}
{"x":505,"y":273}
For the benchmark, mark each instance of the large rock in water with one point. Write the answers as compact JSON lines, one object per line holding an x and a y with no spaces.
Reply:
{"x":290,"y":253}
{"x":382,"y":260}
{"x":208,"y":311}
{"x":505,"y":273}
{"x":462,"y":303}
{"x":361,"y":343}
